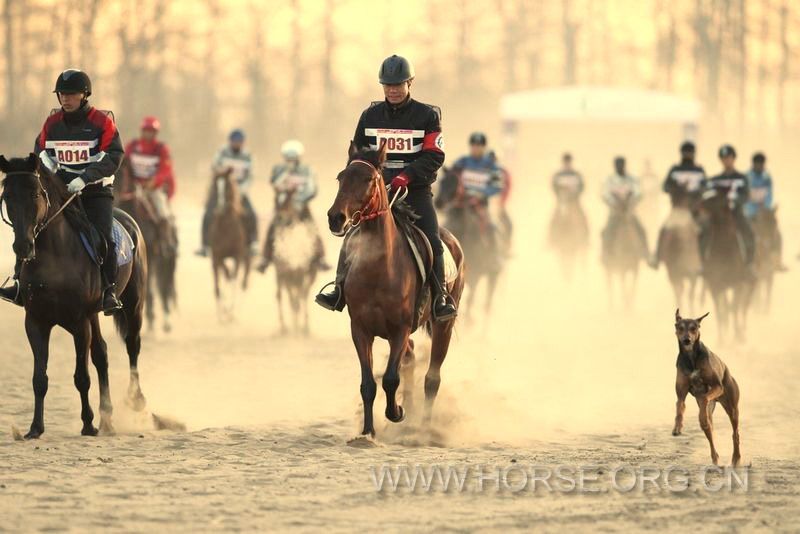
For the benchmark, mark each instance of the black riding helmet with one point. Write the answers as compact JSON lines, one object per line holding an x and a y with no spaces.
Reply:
{"x":477,"y":138}
{"x":394,"y":70}
{"x":687,"y":146}
{"x":73,"y":81}
{"x":726,"y":150}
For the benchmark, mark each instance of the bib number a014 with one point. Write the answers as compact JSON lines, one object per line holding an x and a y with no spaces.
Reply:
{"x":73,"y":152}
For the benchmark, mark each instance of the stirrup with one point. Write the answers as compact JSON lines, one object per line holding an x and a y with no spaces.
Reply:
{"x":16,"y":298}
{"x":338,"y":305}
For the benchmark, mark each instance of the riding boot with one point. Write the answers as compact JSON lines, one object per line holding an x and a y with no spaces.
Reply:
{"x":334,"y":300}
{"x":12,"y":293}
{"x":109,"y":270}
{"x":443,"y":306}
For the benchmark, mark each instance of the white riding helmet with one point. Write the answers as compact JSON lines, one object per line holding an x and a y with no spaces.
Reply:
{"x":292,"y":149}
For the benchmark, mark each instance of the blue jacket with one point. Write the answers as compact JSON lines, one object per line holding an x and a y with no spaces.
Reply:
{"x":760,"y":192}
{"x":480,"y":177}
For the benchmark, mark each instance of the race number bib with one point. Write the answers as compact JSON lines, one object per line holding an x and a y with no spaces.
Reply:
{"x":397,"y":141}
{"x":239,"y":166}
{"x":621,"y":190}
{"x":569,"y":182}
{"x":689,"y":180}
{"x":291,"y":181}
{"x":144,"y":165}
{"x":475,"y":180}
{"x":72,"y":152}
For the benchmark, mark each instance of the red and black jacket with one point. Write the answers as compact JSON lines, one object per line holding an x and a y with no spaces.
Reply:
{"x":85,"y":144}
{"x":413,"y":135}
{"x":150,"y":160}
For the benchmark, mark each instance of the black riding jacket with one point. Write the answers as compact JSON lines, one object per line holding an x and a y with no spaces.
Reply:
{"x":684,"y":183}
{"x":86,"y":144}
{"x":733,"y":184}
{"x":413,"y":135}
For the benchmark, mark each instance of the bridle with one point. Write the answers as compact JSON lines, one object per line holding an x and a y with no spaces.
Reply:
{"x":371,"y":208}
{"x":41,"y":225}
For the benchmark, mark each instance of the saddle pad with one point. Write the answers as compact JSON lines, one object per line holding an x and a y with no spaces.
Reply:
{"x":121,"y":238}
{"x":450,"y":267}
{"x":420,"y":257}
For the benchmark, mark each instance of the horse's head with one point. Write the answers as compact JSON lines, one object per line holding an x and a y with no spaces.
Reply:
{"x":227,"y":189}
{"x":361,"y":191}
{"x":26,"y":201}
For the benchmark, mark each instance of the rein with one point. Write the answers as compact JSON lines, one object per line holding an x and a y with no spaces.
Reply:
{"x":371,"y":209}
{"x":40,"y":226}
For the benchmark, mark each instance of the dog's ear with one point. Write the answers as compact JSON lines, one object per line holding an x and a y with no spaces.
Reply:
{"x":700,"y":319}
{"x":678,"y":315}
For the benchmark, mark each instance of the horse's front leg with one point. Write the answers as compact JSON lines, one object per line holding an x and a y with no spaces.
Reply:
{"x":82,"y":336}
{"x":99,"y":351}
{"x":363,"y":344}
{"x":39,"y":339}
{"x":391,"y":378}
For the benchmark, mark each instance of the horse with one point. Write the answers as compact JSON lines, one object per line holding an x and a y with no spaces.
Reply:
{"x":382,"y":284}
{"x":228,"y":239}
{"x":296,"y":248}
{"x":162,"y":257}
{"x":61,"y":286}
{"x":725,"y":271}
{"x":767,"y":254}
{"x":623,"y":251}
{"x":568,"y":233}
{"x":468,"y":219}
{"x":680,"y":252}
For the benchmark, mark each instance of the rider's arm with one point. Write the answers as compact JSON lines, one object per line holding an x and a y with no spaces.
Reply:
{"x":768,"y":200}
{"x":164,"y":177}
{"x":636,"y":189}
{"x":360,"y":137}
{"x":217,"y":166}
{"x":310,"y":189}
{"x":608,"y":195}
{"x":432,"y":156}
{"x":110,"y":145}
{"x":669,"y":182}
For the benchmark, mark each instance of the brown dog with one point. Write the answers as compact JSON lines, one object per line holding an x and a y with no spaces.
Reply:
{"x":703,"y":374}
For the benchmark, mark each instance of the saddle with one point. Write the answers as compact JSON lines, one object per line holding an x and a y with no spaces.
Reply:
{"x":422,"y":253}
{"x":96,"y":247}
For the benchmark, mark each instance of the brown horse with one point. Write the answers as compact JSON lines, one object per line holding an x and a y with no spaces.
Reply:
{"x":767,"y":255}
{"x":297,"y":247}
{"x":162,"y":257}
{"x":468,"y":219}
{"x":228,"y":240}
{"x":623,"y":251}
{"x":61,"y":286}
{"x":568,"y":233}
{"x":382,"y":284}
{"x":725,"y":269}
{"x":680,"y":252}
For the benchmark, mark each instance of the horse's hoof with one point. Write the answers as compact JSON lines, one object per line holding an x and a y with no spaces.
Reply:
{"x":33,"y":433}
{"x":106,"y":428}
{"x":167,"y":328}
{"x":89,"y":430}
{"x":676,"y":432}
{"x":401,"y":415}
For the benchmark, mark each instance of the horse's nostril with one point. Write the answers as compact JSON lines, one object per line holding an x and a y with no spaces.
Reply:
{"x":335,"y":221}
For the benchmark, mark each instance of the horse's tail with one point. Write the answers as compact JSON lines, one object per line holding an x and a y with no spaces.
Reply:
{"x":134,"y":295}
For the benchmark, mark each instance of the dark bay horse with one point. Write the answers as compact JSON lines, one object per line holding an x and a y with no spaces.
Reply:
{"x":680,"y":252}
{"x":623,"y":253}
{"x":568,"y":233}
{"x":725,"y":270}
{"x":382,"y":285}
{"x":61,"y":286}
{"x":162,"y":252}
{"x":767,"y":255}
{"x":468,"y":219}
{"x":228,"y":240}
{"x":297,"y":246}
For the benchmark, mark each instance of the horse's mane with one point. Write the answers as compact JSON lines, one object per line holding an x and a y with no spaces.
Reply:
{"x":56,"y":191}
{"x":401,"y":210}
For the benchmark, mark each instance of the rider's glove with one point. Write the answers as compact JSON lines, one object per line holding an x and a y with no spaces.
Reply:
{"x":399,"y":181}
{"x":76,"y":186}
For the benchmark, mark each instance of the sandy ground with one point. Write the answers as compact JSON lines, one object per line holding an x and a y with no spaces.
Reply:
{"x":555,"y":377}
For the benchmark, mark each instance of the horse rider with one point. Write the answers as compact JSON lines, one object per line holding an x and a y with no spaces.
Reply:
{"x":415,"y":151}
{"x":759,"y":181}
{"x":733,"y":184}
{"x":82,"y":146}
{"x":567,"y":183}
{"x":148,"y":167}
{"x":479,"y":179}
{"x":295,"y":178}
{"x":505,"y":193}
{"x":233,"y":157}
{"x":684,"y":185}
{"x":621,"y":190}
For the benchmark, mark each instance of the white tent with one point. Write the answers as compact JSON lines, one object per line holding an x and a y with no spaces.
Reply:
{"x":578,"y":103}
